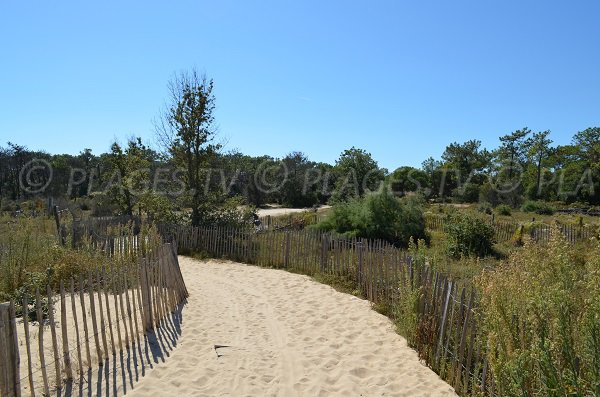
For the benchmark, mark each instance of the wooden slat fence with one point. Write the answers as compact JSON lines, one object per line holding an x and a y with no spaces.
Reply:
{"x":539,"y":232}
{"x":62,"y":334}
{"x":290,"y":221}
{"x":445,"y":333}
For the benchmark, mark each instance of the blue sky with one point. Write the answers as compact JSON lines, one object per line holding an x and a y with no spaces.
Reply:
{"x":399,"y":79}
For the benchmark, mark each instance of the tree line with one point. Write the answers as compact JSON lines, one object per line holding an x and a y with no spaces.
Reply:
{"x":525,"y":166}
{"x":190,"y":174}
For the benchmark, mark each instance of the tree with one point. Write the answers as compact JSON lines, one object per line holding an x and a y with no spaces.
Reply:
{"x":18,"y":156}
{"x":513,"y":149}
{"x":511,"y":156}
{"x":465,"y":163}
{"x":187,"y":129}
{"x":436,"y":177}
{"x":466,"y":158}
{"x":87,"y":162}
{"x":539,"y":150}
{"x":568,"y":169}
{"x":357,"y":174}
{"x":408,"y":179}
{"x":587,"y":144}
{"x":130,"y":178}
{"x":294,"y":192}
{"x":258,"y":180}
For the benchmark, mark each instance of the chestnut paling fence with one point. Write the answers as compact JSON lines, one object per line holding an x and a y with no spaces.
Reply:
{"x":504,"y":230}
{"x":59,"y":336}
{"x":540,"y":232}
{"x":445,"y":328}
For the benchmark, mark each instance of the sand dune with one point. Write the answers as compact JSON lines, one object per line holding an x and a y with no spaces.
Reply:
{"x":248,"y":331}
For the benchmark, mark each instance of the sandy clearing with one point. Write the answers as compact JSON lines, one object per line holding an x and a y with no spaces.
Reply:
{"x":282,"y":335}
{"x":284,"y":211}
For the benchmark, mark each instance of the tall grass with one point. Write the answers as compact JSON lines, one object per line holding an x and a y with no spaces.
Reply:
{"x":540,"y":313}
{"x":31,"y":256}
{"x":25,"y":246}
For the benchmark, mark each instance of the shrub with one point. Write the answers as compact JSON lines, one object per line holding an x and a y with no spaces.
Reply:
{"x":524,"y":231}
{"x":489,"y":193}
{"x":468,"y":235}
{"x":485,"y":208}
{"x":378,"y":216}
{"x":539,"y":207}
{"x":84,"y":204}
{"x":468,"y":193}
{"x":504,"y":209}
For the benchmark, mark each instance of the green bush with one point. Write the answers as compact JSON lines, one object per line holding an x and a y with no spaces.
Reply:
{"x":468,"y":193}
{"x":504,"y":209}
{"x":485,"y":208}
{"x":85,"y":204}
{"x":539,"y":207}
{"x":468,"y":235}
{"x":379,"y":215}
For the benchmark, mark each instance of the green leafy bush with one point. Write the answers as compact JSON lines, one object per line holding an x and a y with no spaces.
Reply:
{"x":379,"y":215}
{"x":485,"y":208}
{"x":539,"y":207}
{"x":504,"y":209}
{"x":468,"y":235}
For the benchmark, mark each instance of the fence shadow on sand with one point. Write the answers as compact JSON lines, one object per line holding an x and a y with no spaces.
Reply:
{"x":120,"y":373}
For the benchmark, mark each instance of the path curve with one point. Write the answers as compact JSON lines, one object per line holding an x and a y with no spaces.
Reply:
{"x":283,"y":334}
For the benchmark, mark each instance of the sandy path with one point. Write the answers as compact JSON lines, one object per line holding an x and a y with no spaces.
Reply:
{"x":286,"y":335}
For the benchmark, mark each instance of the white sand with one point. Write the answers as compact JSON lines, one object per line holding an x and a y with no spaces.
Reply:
{"x":278,"y":211}
{"x":118,"y":373}
{"x":286,"y":335}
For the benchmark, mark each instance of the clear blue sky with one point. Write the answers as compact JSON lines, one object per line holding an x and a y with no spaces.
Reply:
{"x":399,"y":79}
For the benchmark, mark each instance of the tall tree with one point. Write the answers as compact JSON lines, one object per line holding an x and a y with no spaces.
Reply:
{"x":187,"y":128}
{"x":130,"y":177}
{"x":587,"y":144}
{"x":464,"y":164}
{"x":539,"y":150}
{"x":408,"y":179}
{"x":466,"y":158}
{"x":513,"y":149}
{"x":295,"y":191}
{"x":357,"y":172}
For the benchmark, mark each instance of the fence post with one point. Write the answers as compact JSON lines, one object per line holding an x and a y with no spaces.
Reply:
{"x":57,"y":221}
{"x":324,"y":249}
{"x":9,"y":365}
{"x":286,"y":254}
{"x":146,"y":295}
{"x":359,"y":245}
